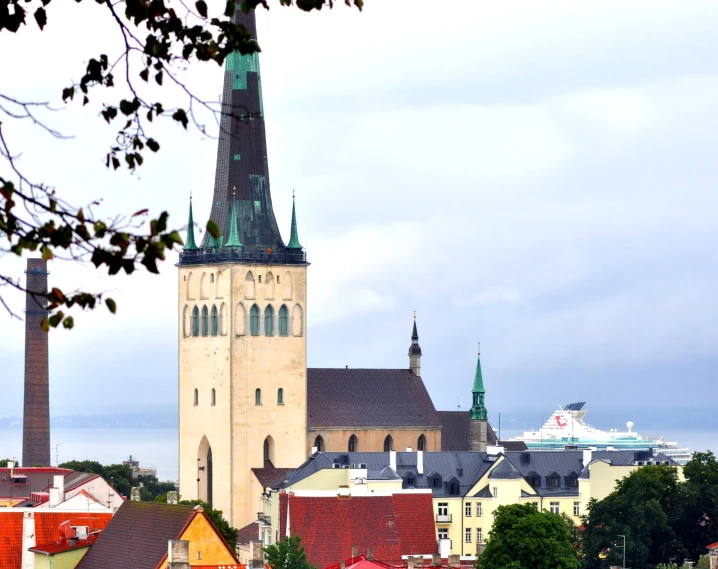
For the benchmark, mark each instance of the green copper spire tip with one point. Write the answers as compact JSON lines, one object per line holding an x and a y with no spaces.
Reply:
{"x":233,"y":239}
{"x":293,"y":237}
{"x":478,"y":410}
{"x":190,"y":244}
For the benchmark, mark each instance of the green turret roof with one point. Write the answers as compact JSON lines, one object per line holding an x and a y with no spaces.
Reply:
{"x":293,"y":237}
{"x":190,"y":244}
{"x":233,"y":239}
{"x":478,"y":410}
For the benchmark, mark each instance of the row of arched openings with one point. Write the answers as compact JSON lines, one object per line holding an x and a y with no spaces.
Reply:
{"x":254,"y":315}
{"x":208,"y":322}
{"x":258,"y":396}
{"x":208,"y":286}
{"x":353,"y":443}
{"x":212,"y":397}
{"x":269,"y":322}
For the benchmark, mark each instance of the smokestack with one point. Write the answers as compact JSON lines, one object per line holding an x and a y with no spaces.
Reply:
{"x":36,"y":413}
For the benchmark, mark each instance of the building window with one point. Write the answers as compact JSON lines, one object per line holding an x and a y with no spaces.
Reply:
{"x":205,"y":321}
{"x":195,"y":322}
{"x":467,"y":535}
{"x":258,"y":396}
{"x":353,"y":443}
{"x":388,"y":443}
{"x":535,"y":505}
{"x":254,"y":320}
{"x":280,"y":396}
{"x":443,"y":508}
{"x":283,"y":320}
{"x":260,"y":278}
{"x":436,"y":482}
{"x":214,"y":397}
{"x":421,"y":443}
{"x":196,"y":397}
{"x":209,"y":476}
{"x":554,"y":507}
{"x":467,"y":509}
{"x":215,"y":321}
{"x":479,"y":510}
{"x":479,"y":536}
{"x":269,"y":321}
{"x":555,"y":482}
{"x":443,"y":533}
{"x":573,"y":482}
{"x":495,"y":492}
{"x":577,"y":508}
{"x":319,"y":443}
{"x":268,"y":450}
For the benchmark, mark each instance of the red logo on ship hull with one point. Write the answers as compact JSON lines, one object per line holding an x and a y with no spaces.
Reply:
{"x":559,"y":423}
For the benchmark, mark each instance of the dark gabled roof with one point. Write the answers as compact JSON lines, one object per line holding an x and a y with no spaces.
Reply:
{"x":455,"y":431}
{"x":505,"y":471}
{"x":513,"y":446}
{"x":248,"y":533}
{"x":485,"y":492}
{"x":137,"y":536}
{"x":270,"y":476}
{"x":338,"y":397}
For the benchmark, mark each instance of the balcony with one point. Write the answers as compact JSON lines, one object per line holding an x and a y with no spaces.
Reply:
{"x":443,"y":518}
{"x":243,"y":255}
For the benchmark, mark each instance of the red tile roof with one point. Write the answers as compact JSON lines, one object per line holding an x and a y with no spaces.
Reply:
{"x":396,"y":525}
{"x":248,"y":533}
{"x":47,"y":524}
{"x":361,"y":562}
{"x":59,"y":547}
{"x":11,"y":539}
{"x":712,"y":545}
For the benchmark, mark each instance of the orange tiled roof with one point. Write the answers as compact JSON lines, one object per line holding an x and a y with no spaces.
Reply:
{"x":47,"y":524}
{"x":11,"y":539}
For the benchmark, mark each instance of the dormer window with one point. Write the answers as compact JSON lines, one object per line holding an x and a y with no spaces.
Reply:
{"x":555,"y":481}
{"x":436,"y":482}
{"x":573,"y":482}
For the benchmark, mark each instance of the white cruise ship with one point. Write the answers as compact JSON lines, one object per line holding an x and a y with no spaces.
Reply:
{"x":566,"y":428}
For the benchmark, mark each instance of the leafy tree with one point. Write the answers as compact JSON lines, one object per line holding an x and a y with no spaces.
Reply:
{"x":287,"y":554}
{"x":643,"y":507}
{"x":698,"y":524}
{"x":228,"y":532}
{"x":157,"y":40}
{"x":5,"y":462}
{"x":523,"y":537}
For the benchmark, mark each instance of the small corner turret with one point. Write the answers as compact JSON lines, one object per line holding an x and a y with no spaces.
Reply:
{"x":293,"y":235}
{"x":478,"y":423}
{"x":415,"y":352}
{"x":190,"y":244}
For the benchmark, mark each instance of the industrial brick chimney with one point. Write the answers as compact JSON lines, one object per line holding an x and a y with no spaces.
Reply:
{"x":36,"y":414}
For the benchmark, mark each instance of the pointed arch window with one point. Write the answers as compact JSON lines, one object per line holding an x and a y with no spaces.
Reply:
{"x":268,"y":449}
{"x":254,"y":320}
{"x":319,"y":443}
{"x":196,"y":396}
{"x":205,"y":321}
{"x":214,"y":321}
{"x":195,"y":322}
{"x":388,"y":443}
{"x":421,"y":443}
{"x":269,"y":321}
{"x":280,"y":396}
{"x":209,"y":476}
{"x":283,"y":320}
{"x":353,"y":443}
{"x":214,"y":396}
{"x":258,"y":396}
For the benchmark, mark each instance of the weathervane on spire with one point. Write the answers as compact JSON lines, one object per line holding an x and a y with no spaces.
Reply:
{"x":415,"y":314}
{"x":479,"y":352}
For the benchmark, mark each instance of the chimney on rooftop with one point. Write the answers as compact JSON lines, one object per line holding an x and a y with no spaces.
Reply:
{"x":256,"y":554}
{"x":392,"y":459}
{"x":370,"y":553}
{"x":135,"y":494}
{"x":436,"y":560}
{"x":172,"y":497}
{"x":57,"y":491}
{"x":355,"y":552}
{"x":415,"y":562}
{"x":420,"y":462}
{"x":454,"y":561}
{"x":178,"y":554}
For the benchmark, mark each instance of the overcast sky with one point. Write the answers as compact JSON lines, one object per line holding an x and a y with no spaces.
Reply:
{"x":539,"y":176}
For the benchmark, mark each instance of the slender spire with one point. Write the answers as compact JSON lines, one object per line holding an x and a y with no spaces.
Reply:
{"x":233,"y":238}
{"x":293,"y":237}
{"x":190,"y":244}
{"x":478,"y":410}
{"x":415,"y":351}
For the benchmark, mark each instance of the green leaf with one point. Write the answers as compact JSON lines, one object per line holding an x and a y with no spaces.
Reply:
{"x":230,"y":9}
{"x":68,"y":93}
{"x":68,"y":322}
{"x":153,"y":144}
{"x":111,"y":306}
{"x":213,"y":229}
{"x":41,"y":17}
{"x":181,"y":117}
{"x":201,"y":8}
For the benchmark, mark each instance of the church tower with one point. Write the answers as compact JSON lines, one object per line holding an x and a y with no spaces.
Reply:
{"x":242,"y":319}
{"x":478,"y":423}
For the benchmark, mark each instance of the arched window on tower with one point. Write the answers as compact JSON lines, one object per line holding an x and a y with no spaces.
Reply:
{"x":268,"y":450}
{"x":205,"y":321}
{"x":421,"y":444}
{"x":269,"y":321}
{"x":353,"y":443}
{"x":254,"y":320}
{"x":196,"y":396}
{"x":319,"y":443}
{"x":215,"y":321}
{"x":280,"y":396}
{"x":195,"y":321}
{"x":209,"y":476}
{"x":214,"y":396}
{"x":284,"y":320}
{"x":258,"y":396}
{"x":388,"y":443}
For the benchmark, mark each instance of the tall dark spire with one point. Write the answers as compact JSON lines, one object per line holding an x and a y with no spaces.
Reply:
{"x":242,"y":155}
{"x":293,"y":236}
{"x":478,"y":409}
{"x":190,"y":244}
{"x":415,"y":351}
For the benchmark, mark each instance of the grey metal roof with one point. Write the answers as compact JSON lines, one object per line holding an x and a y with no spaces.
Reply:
{"x":505,"y":471}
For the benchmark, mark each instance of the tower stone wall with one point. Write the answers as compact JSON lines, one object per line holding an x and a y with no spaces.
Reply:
{"x":478,"y":435}
{"x":36,"y":411}
{"x":226,"y":416}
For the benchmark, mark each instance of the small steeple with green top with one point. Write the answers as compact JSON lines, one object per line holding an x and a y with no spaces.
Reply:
{"x":190,"y":244}
{"x":478,"y":410}
{"x":233,"y":238}
{"x":293,"y":237}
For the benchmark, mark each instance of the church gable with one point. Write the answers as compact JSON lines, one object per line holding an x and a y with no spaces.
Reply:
{"x":368,"y":398}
